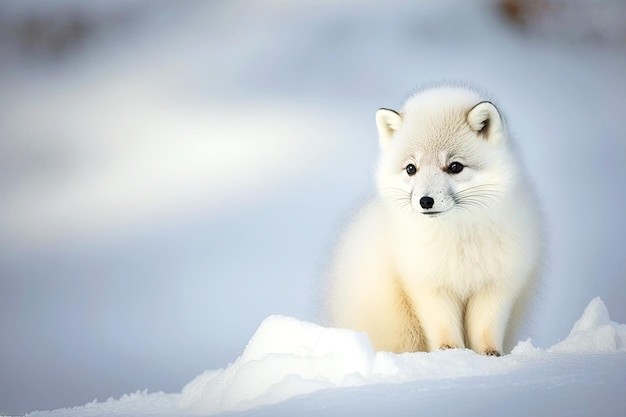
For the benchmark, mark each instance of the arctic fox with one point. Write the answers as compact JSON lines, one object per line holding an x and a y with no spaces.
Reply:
{"x":448,"y":252}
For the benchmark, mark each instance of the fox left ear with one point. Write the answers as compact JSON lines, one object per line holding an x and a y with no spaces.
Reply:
{"x":484,"y":119}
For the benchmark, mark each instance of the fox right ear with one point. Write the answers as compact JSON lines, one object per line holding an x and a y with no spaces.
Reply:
{"x":388,"y":122}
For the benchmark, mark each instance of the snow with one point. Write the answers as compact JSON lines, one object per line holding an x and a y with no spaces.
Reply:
{"x":594,"y":332}
{"x":283,"y":358}
{"x":181,"y":174}
{"x":291,"y":359}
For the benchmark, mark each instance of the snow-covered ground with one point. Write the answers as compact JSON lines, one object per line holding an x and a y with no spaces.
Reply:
{"x":335,"y":371}
{"x":180,"y":176}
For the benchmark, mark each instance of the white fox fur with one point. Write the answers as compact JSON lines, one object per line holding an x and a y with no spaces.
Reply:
{"x":445,"y":256}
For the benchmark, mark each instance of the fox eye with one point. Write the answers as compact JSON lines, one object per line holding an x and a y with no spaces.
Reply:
{"x":455,"y":167}
{"x":410,"y":169}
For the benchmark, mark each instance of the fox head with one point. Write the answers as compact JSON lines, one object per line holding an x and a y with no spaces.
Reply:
{"x":445,"y":152}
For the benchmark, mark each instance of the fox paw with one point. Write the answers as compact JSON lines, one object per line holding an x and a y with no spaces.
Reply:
{"x":446,"y":347}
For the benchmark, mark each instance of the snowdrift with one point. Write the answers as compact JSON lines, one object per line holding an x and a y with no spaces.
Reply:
{"x":288,"y":358}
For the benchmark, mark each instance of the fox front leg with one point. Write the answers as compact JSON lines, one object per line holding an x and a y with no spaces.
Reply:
{"x":486,"y":318}
{"x":441,"y":319}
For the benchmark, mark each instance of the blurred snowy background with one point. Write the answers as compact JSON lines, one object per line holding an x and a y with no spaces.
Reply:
{"x":172,"y":172}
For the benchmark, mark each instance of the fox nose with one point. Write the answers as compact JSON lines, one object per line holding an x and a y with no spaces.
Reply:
{"x":427,"y":202}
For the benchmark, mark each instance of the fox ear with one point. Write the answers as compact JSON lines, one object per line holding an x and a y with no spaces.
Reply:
{"x":485,"y":120}
{"x":388,"y":122}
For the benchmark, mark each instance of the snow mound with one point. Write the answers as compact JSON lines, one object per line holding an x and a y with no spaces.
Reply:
{"x":594,"y":332}
{"x":287,"y":357}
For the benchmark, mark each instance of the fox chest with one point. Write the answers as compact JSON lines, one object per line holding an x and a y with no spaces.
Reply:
{"x":459,"y":261}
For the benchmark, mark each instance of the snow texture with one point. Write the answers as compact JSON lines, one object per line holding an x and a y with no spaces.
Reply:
{"x":288,"y":358}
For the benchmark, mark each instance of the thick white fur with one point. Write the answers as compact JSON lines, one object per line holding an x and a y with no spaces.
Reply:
{"x":416,"y":282}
